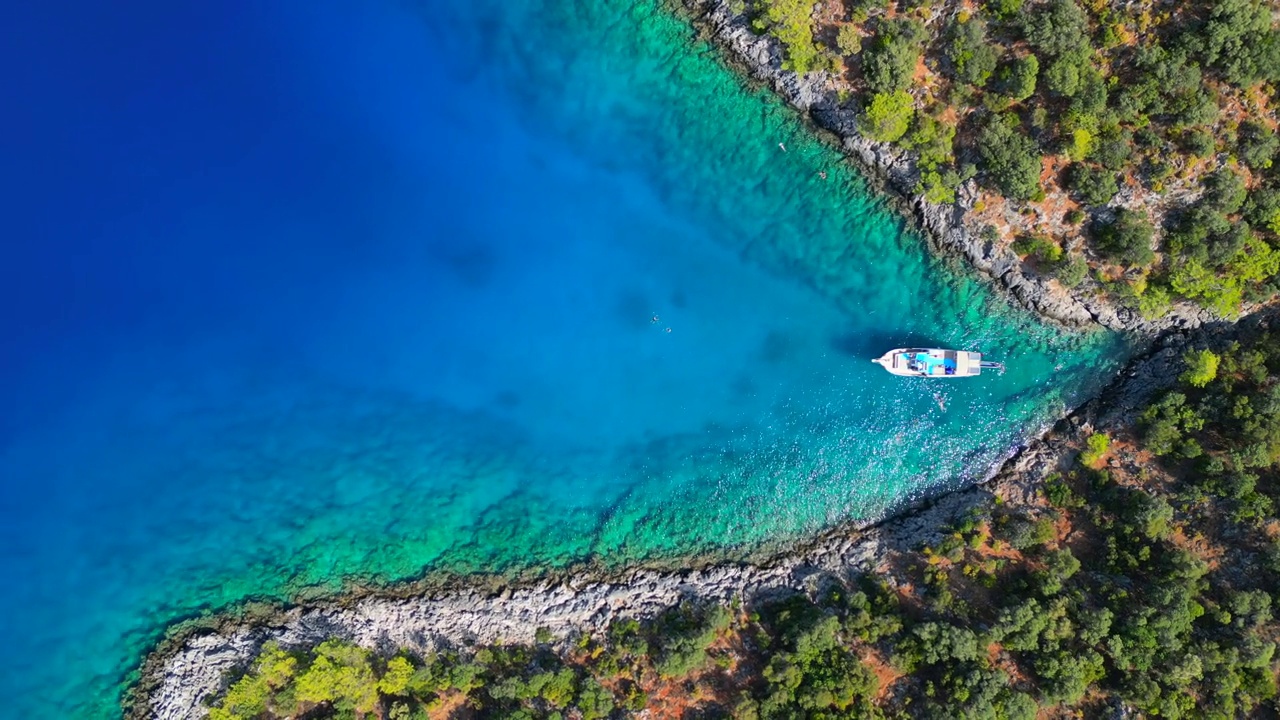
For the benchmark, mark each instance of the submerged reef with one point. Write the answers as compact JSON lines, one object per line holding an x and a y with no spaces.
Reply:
{"x":1124,"y":562}
{"x":1083,"y":575}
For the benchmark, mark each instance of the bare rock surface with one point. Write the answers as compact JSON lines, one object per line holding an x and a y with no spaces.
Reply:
{"x":180,"y":680}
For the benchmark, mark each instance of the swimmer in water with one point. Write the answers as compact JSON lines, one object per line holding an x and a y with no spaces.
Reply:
{"x":822,"y":174}
{"x":942,"y":402}
{"x":653,"y":320}
{"x":784,"y":147}
{"x":668,"y":330}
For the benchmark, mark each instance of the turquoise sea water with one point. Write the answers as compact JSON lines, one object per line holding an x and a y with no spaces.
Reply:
{"x":321,"y":291}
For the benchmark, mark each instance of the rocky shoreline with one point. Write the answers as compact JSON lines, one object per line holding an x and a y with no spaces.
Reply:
{"x":193,"y":662}
{"x":893,"y":171}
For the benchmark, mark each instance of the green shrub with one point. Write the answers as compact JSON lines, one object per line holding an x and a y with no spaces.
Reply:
{"x":1004,"y":9}
{"x":1198,"y":141}
{"x":1092,"y":184}
{"x":1095,"y":447}
{"x":1024,"y":533}
{"x":1126,"y":239}
{"x":849,"y":40}
{"x":1072,"y":271}
{"x":1039,"y":247}
{"x":1010,"y":158}
{"x":1058,"y":492}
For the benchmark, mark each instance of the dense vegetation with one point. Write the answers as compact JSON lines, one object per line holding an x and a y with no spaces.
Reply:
{"x":1153,"y":120}
{"x":1144,"y":576}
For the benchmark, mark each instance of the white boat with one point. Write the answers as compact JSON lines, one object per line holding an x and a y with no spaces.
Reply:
{"x":935,"y":363}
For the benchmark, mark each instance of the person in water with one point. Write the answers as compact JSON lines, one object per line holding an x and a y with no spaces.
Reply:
{"x":942,"y":401}
{"x":653,"y":320}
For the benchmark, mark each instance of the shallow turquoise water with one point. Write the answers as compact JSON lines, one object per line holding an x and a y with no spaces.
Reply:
{"x":372,"y":290}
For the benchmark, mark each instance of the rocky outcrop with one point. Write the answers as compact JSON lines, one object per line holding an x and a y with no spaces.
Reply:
{"x":894,"y":171}
{"x":193,"y":666}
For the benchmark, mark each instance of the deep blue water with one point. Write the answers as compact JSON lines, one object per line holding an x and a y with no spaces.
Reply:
{"x":299,"y":292}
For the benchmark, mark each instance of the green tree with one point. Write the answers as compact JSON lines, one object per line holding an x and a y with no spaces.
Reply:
{"x":1126,"y":239}
{"x":1095,"y":447}
{"x":397,"y":676}
{"x":1093,"y":185}
{"x":1113,"y":148}
{"x":251,"y":695}
{"x":889,"y":61}
{"x":1198,"y":141}
{"x":1257,"y":145}
{"x":1194,"y":280}
{"x":791,"y":21}
{"x":1058,"y":28}
{"x":595,"y":701}
{"x":1202,"y":367}
{"x":1064,"y":74}
{"x":849,"y":40}
{"x":1059,"y":566}
{"x":341,"y":675}
{"x":1004,"y":9}
{"x":1238,"y":38}
{"x":685,"y":633}
{"x":1224,"y":191}
{"x":1072,"y":271}
{"x":888,"y":116}
{"x":1167,"y":421}
{"x":973,"y":57}
{"x":1018,"y":79}
{"x":1263,"y":209}
{"x":1009,"y":157}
